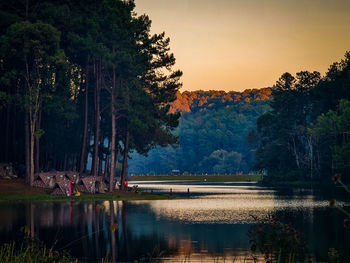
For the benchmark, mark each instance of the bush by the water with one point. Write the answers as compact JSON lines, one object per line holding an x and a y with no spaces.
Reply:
{"x":278,"y":242}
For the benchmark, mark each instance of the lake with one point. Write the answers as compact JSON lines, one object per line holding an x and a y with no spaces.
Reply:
{"x":207,"y":222}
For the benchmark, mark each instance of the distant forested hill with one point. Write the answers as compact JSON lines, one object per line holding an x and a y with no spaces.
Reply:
{"x":190,"y":101}
{"x":212,"y":134}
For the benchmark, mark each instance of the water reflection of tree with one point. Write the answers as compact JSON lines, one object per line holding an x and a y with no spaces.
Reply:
{"x":125,"y":227}
{"x":112,"y":224}
{"x":87,"y":231}
{"x":321,"y":229}
{"x":30,"y":219}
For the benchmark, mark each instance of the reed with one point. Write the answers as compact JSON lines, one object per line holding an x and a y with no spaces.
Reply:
{"x":31,"y":251}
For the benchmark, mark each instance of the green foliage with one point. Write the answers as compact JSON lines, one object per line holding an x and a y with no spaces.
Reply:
{"x":5,"y":99}
{"x":212,"y":138}
{"x":291,"y":147}
{"x":337,"y":179}
{"x":333,"y":256}
{"x":29,"y":52}
{"x":56,"y":57}
{"x":334,"y":127}
{"x":278,"y":242}
{"x":38,"y":133}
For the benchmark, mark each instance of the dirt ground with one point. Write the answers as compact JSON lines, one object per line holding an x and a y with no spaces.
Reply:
{"x":19,"y":187}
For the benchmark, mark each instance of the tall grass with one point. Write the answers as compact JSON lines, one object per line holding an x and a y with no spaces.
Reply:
{"x":32,"y":252}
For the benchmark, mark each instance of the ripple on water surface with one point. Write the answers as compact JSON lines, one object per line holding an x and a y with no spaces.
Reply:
{"x":224,"y":203}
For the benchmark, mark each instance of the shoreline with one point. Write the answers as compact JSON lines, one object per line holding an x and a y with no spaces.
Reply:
{"x":17,"y":190}
{"x":198,"y":178}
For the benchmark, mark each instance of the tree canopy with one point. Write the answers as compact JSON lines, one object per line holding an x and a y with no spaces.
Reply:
{"x":305,"y":134}
{"x":212,"y":134}
{"x":80,"y":79}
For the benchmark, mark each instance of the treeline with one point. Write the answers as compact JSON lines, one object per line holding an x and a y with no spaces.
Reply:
{"x":80,"y":78}
{"x":212,"y":133}
{"x":191,"y":101}
{"x":306,"y":134}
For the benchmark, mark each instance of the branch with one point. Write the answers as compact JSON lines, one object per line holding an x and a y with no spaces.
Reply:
{"x":105,"y":86}
{"x":104,"y":108}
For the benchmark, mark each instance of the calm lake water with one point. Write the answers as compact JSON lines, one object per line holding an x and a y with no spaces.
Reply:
{"x":210,"y":223}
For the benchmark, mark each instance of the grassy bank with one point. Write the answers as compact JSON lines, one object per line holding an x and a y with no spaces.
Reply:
{"x":32,"y":251}
{"x":199,"y":178}
{"x":17,"y":190}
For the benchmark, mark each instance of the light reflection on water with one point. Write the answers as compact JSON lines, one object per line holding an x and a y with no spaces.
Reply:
{"x":210,"y":224}
{"x":225,"y":210}
{"x":222,"y":188}
{"x":224,"y":203}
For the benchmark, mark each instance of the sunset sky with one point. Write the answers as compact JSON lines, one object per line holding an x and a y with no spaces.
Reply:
{"x":243,"y":44}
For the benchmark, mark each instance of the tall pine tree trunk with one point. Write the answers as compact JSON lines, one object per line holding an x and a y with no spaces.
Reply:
{"x":27,"y":145}
{"x":100,"y":160}
{"x":125,"y":157}
{"x":33,"y":109}
{"x":88,"y":144}
{"x":85,"y":136}
{"x":113,"y":132}
{"x":14,"y":151}
{"x":33,"y":118}
{"x":32,"y":130}
{"x":27,"y":8}
{"x":97,"y":119}
{"x":65,"y":162}
{"x":37,"y":146}
{"x":7,"y":134}
{"x":106,"y":168}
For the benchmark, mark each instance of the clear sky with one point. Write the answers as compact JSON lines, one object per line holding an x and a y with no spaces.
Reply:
{"x":243,"y":44}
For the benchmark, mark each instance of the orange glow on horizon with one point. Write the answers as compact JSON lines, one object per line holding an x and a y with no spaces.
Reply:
{"x":237,"y":44}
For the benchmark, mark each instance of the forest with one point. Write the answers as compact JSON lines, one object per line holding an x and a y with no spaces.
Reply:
{"x":297,"y":130}
{"x":306,"y":133}
{"x":79,"y":79}
{"x":85,"y":86}
{"x":214,"y":134}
